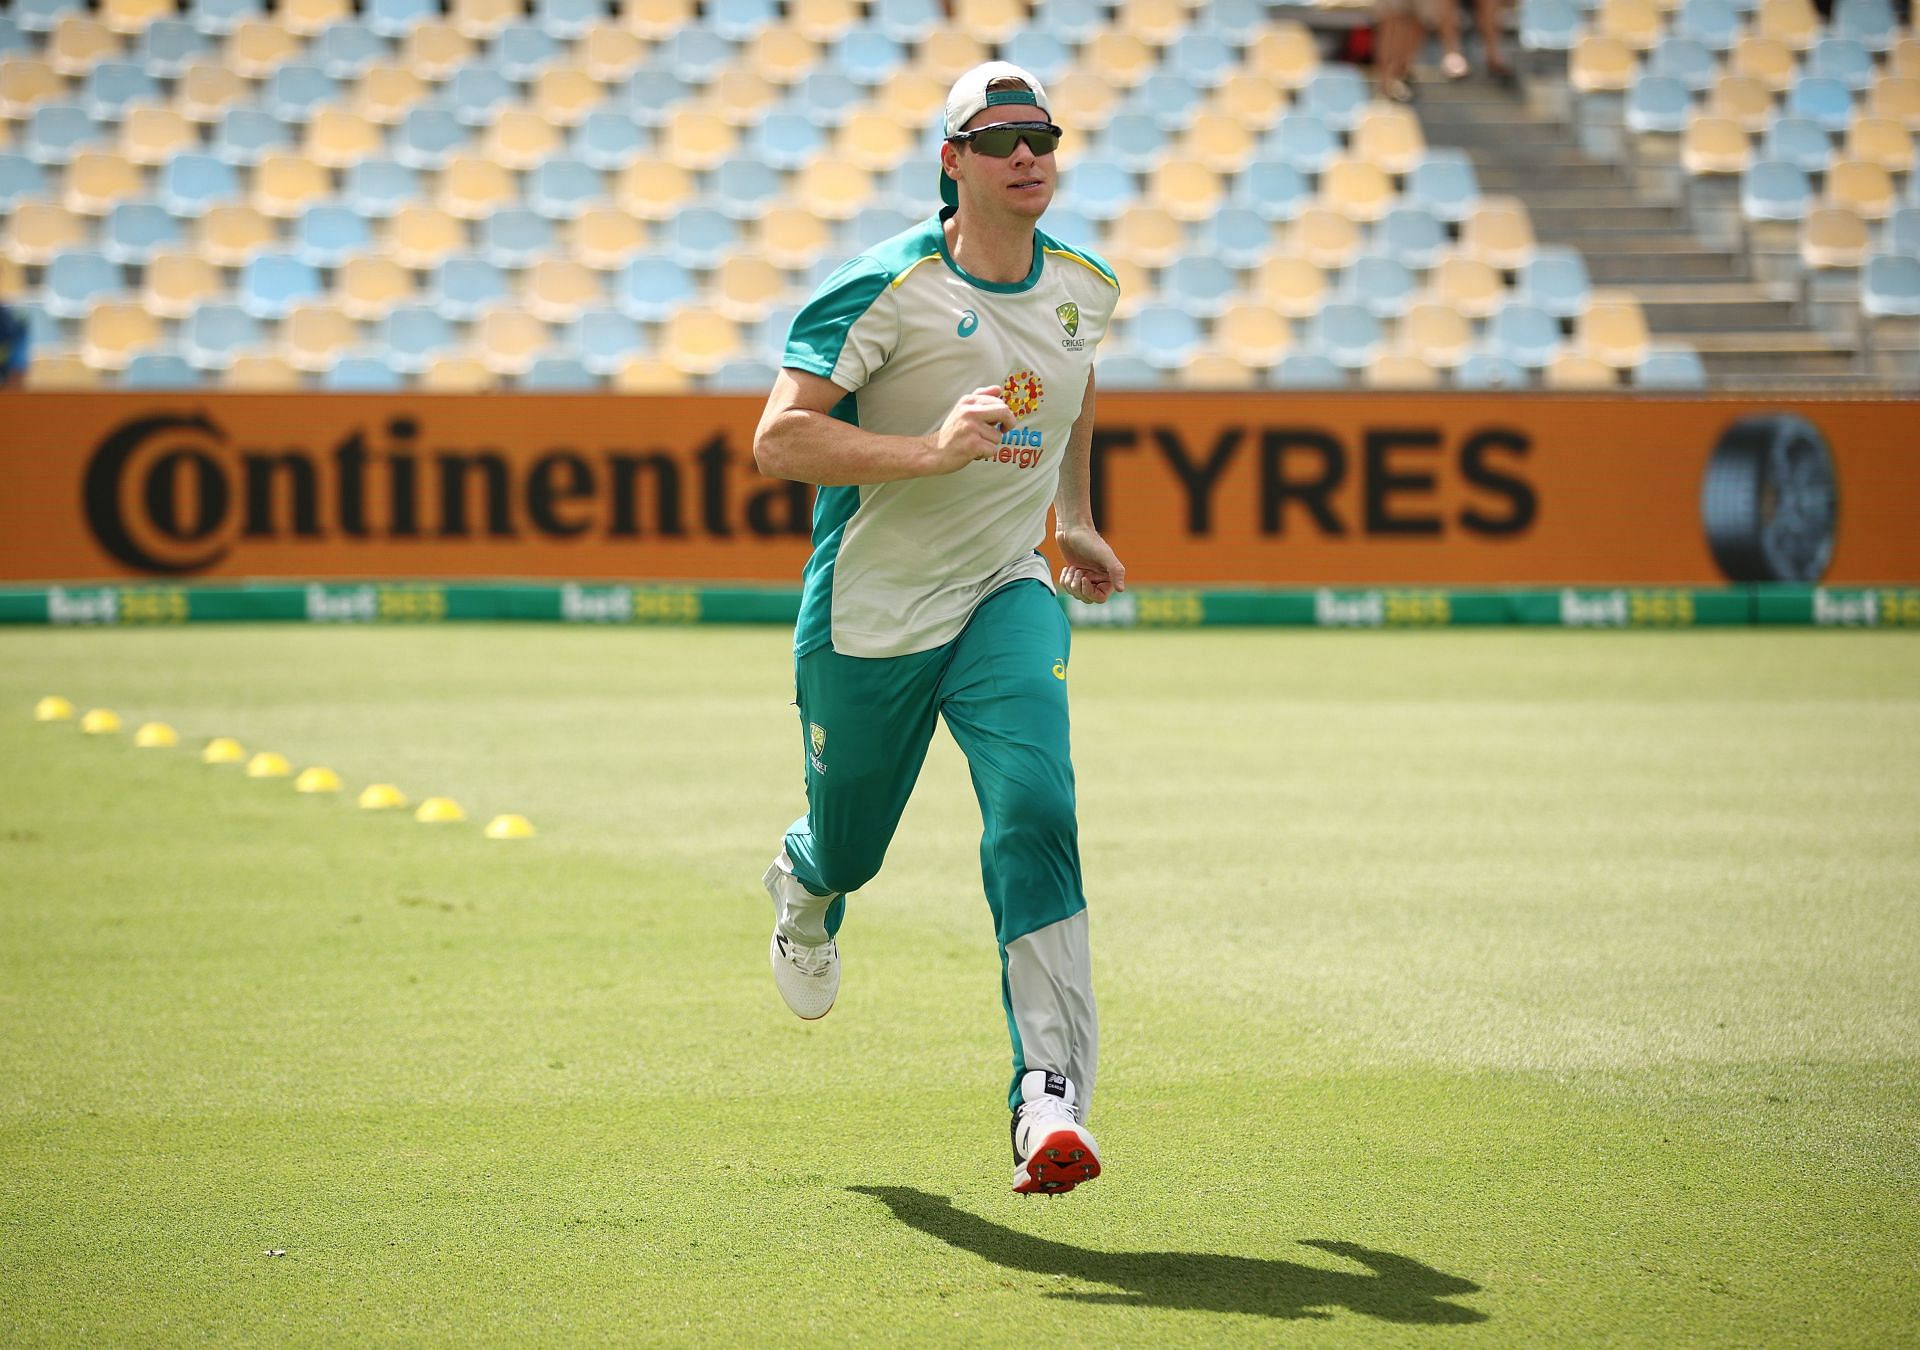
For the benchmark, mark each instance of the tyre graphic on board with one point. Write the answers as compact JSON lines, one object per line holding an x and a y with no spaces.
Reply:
{"x":1770,"y":502}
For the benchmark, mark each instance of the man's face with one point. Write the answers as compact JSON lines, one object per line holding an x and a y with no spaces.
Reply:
{"x":1021,"y":185}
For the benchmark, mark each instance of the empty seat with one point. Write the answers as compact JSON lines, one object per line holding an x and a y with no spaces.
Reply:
{"x":697,"y":54}
{"x":1237,"y":235}
{"x":1357,"y":190}
{"x":699,"y":341}
{"x":652,"y":288}
{"x":1498,"y":232}
{"x":79,"y":44}
{"x":1555,"y":280}
{"x":1793,"y":22}
{"x":1825,"y":102}
{"x":1841,"y":59}
{"x":421,"y":236}
{"x":1146,"y":235}
{"x":213,"y":335}
{"x":1467,"y":285}
{"x":25,"y":84}
{"x":260,"y":372}
{"x":111,"y":85}
{"x":362,"y":373}
{"x":368,"y":286}
{"x":506,"y":341}
{"x":472,"y":186}
{"x":1861,"y":187}
{"x":1389,"y":138}
{"x":1600,"y":64}
{"x":1249,"y":102}
{"x":386,"y":93}
{"x":1834,"y":237}
{"x":1307,"y":370}
{"x":1890,"y":287}
{"x":1384,"y":286}
{"x":20,"y":180}
{"x":1578,"y":370}
{"x":1400,"y":370}
{"x":744,"y":188}
{"x":477,"y":92}
{"x":1713,"y":23}
{"x":1671,"y":366}
{"x":1658,"y":104}
{"x":1346,"y":333}
{"x":1636,"y":23}
{"x":1166,"y":335}
{"x":37,"y":231}
{"x":1253,"y":333}
{"x":833,"y":189}
{"x":653,"y":189}
{"x":1324,"y":237}
{"x":1797,"y":141}
{"x":655,"y":18}
{"x":1881,"y":141}
{"x":1550,"y":25}
{"x":1444,"y":183}
{"x":272,"y":282}
{"x":1901,"y":233}
{"x":394,"y":18}
{"x":557,"y":290}
{"x":42,"y":16}
{"x":1613,"y":330}
{"x":515,"y":236}
{"x":415,"y":334}
{"x":155,"y":135}
{"x":792,"y":238}
{"x":292,"y":92}
{"x":1190,"y":191}
{"x":1099,"y":188}
{"x":1766,"y":60}
{"x":192,"y":183}
{"x":1488,"y":370}
{"x":338,"y":139}
{"x":606,"y":238}
{"x":168,"y":46}
{"x":1774,"y":190}
{"x":285,"y":185}
{"x":1412,"y":234}
{"x":483,"y":19}
{"x":223,"y":16}
{"x":1871,"y":23}
{"x":246,"y":135}
{"x":1218,"y":143}
{"x":347,"y":50}
{"x":1336,"y":95}
{"x":562,"y":188}
{"x":1082,"y":100}
{"x":1437,"y":333}
{"x":231,"y":232}
{"x":326,"y":234}
{"x":1714,"y":145}
{"x":133,"y":231}
{"x":205,"y":90}
{"x":177,"y":282}
{"x":1897,"y":98}
{"x":256,"y":47}
{"x":606,"y":139}
{"x":97,"y":180}
{"x":380,"y":187}
{"x":157,"y":371}
{"x":55,"y":132}
{"x":699,"y":237}
{"x":605,"y":339}
{"x":608,"y":53}
{"x":873,"y":141}
{"x":78,"y":278}
{"x":1524,"y":334}
{"x":1204,"y":286}
{"x":311,"y":18}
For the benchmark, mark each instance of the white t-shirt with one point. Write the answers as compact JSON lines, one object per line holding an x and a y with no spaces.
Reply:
{"x":898,"y":567}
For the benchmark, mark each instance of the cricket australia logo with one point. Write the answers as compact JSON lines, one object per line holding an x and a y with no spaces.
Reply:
{"x":1023,"y":392}
{"x":1069,"y":316}
{"x":817,"y":747}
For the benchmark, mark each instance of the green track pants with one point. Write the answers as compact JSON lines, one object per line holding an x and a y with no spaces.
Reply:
{"x":1001,"y":685}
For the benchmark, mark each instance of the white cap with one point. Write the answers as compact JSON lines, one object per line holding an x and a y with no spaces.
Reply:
{"x":969,"y":97}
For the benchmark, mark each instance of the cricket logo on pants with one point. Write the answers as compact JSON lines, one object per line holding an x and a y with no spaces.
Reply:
{"x":817,"y":746}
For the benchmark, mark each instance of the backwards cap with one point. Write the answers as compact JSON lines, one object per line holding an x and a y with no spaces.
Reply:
{"x":969,"y":97}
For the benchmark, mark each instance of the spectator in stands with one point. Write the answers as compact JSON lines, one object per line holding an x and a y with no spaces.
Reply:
{"x":1486,"y":20}
{"x":13,"y":346}
{"x":1399,"y":27}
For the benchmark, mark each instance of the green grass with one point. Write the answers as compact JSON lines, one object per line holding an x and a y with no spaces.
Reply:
{"x":1473,"y":988}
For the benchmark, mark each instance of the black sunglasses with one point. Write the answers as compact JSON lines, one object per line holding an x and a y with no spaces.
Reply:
{"x":999,"y":139}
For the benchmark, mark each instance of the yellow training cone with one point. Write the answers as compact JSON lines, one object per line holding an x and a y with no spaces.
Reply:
{"x":223,"y":750}
{"x":382,"y":797}
{"x":100,"y":722}
{"x":439,"y":811}
{"x":317,"y":779}
{"x":509,"y":827}
{"x":156,"y":736}
{"x":53,"y":708}
{"x":268,"y":764}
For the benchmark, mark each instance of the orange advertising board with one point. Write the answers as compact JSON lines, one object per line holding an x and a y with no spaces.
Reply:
{"x":1193,"y":489}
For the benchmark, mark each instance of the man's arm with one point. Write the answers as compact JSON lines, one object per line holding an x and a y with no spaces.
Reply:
{"x":798,"y":437}
{"x":1092,"y":571}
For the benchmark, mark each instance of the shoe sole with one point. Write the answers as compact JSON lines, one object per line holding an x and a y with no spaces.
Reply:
{"x":1063,"y":1160}
{"x":774,"y":957}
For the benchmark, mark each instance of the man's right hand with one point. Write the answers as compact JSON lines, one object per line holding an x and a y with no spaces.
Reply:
{"x":972,"y":431}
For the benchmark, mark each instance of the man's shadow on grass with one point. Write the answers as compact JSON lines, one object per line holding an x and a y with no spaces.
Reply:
{"x":1397,"y":1289}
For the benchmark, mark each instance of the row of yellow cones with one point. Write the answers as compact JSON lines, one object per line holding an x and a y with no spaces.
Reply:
{"x":273,"y":764}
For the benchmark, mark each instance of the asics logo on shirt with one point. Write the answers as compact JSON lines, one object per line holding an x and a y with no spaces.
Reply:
{"x":968,"y":322}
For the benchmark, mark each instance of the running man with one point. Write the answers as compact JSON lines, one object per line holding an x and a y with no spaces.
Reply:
{"x":939,"y":390}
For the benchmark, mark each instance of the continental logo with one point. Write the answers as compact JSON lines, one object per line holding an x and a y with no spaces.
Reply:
{"x":172,"y":494}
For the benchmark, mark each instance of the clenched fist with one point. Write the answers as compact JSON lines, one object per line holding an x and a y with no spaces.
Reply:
{"x":972,"y":431}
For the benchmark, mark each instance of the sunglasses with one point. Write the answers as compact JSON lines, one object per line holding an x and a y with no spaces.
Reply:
{"x":998,"y":140}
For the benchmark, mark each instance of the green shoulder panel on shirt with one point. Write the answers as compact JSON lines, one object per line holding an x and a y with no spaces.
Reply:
{"x":820,"y":329}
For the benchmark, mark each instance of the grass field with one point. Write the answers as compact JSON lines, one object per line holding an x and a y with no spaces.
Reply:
{"x":1464,"y":988}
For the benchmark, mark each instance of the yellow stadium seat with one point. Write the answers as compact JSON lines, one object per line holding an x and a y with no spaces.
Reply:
{"x":610,"y":53}
{"x":231,"y":233}
{"x":367,"y":287}
{"x":874,"y":141}
{"x":433,"y":49}
{"x":1768,"y":60}
{"x":1601,"y":64}
{"x":558,"y":289}
{"x":174,"y":283}
{"x":650,"y":375}
{"x":1834,"y":236}
{"x":948,"y":53}
{"x":653,"y":189}
{"x":1253,"y":333}
{"x":457,"y":373}
{"x":606,"y":238}
{"x":482,"y":19}
{"x":37,"y":230}
{"x":25,"y":84}
{"x":990,"y":20}
{"x":1882,"y":141}
{"x":133,"y":16}
{"x":699,"y":341}
{"x":507,"y":341}
{"x":912,"y":97}
{"x":13,"y":278}
{"x":473,"y":187}
{"x":1324,"y":237}
{"x":286,"y":185}
{"x":1136,"y":286}
{"x":1218,"y":142}
{"x":1082,"y":101}
{"x":1158,"y":22}
{"x":780,"y":55}
{"x":60,"y":370}
{"x":260,"y":372}
{"x":1793,"y":22}
{"x":565,"y":94}
{"x":821,"y":20}
{"x":1250,"y":101}
{"x":1613,"y":329}
{"x":420,"y":237}
{"x":1744,"y":101}
{"x":1290,"y":285}
{"x":1284,"y":54}
{"x":1637,"y":23}
{"x":338,"y":138}
{"x":150,"y":135}
{"x":258,"y":47}
{"x":1714,"y":145}
{"x":1357,"y":190}
{"x":78,"y":43}
{"x":1185,"y":189}
{"x":1399,"y":370}
{"x":656,"y":18}
{"x":309,"y":18}
{"x":1578,"y":370}
{"x":746,"y":287}
{"x":97,"y":180}
{"x":520,"y":138}
{"x":1390,"y":138}
{"x":792,"y":238}
{"x":114,"y":330}
{"x":1437,"y":333}
{"x":1148,"y":235}
{"x":1863,"y":187}
{"x":314,"y":336}
{"x":1466,"y":285}
{"x":206,"y":89}
{"x":1499,"y":232}
{"x":697,"y":138}
{"x":1904,"y":59}
{"x":1896,"y":98}
{"x":384,"y":93}
{"x":1218,"y":370}
{"x":832,"y":188}
{"x":1118,"y":57}
{"x":742,"y":97}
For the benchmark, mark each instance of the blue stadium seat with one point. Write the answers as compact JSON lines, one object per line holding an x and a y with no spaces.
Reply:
{"x":13,"y":39}
{"x":190,"y":183}
{"x":1133,"y":138}
{"x":476,"y":93}
{"x":1200,"y":284}
{"x":1040,"y":51}
{"x":1901,"y":233}
{"x":1485,"y":370}
{"x":1714,"y":24}
{"x":522,"y":50}
{"x":1772,"y":189}
{"x":222,"y":16}
{"x":1889,"y":287}
{"x":1384,"y":286}
{"x":415,"y":334}
{"x":1062,"y":222}
{"x":558,"y":373}
{"x":1098,"y":188}
{"x":567,"y":19}
{"x":273,"y":282}
{"x":743,"y":188}
{"x":1826,"y":102}
{"x":1550,"y":25}
{"x":1658,"y":103}
{"x":1842,"y":59}
{"x":363,"y":373}
{"x":1125,"y":370}
{"x":604,"y":339}
{"x":740,"y":20}
{"x":652,"y":288}
{"x":1671,"y":366}
{"x":770,"y":334}
{"x":610,"y":138}
{"x":1202,"y":58}
{"x":213,"y":335}
{"x":651,"y":93}
{"x":1346,"y":333}
{"x":912,"y":20}
{"x":133,"y":230}
{"x":345,"y":48}
{"x":827,"y":94}
{"x":868,"y":56}
{"x":1237,"y":235}
{"x":1871,"y":23}
{"x":786,"y":139}
{"x":1797,"y":141}
{"x":245,"y":134}
{"x":158,"y":371}
{"x":393,"y":18}
{"x":167,"y":46}
{"x":42,"y":16}
{"x":699,"y":237}
{"x":516,"y":236}
{"x":55,"y":130}
{"x":1302,"y":140}
{"x":742,"y":375}
{"x":697,"y":54}
{"x":77,"y":278}
{"x":1687,"y":60}
{"x":874,"y":224}
{"x":1238,"y":21}
{"x":20,"y":178}
{"x":1444,"y":183}
{"x":328,"y":233}
{"x":561,"y":189}
{"x":380,"y":187}
{"x":295,"y":88}
{"x":428,"y":135}
{"x":1524,"y":334}
{"x":1335,"y":94}
{"x":1412,"y":234}
{"x":1169,"y":99}
{"x":1555,"y":280}
{"x":1307,"y":370}
{"x":465,"y":285}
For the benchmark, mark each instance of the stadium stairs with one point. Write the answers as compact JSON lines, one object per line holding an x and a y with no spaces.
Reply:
{"x":1693,"y":288}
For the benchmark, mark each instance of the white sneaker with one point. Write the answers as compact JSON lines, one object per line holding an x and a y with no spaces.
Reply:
{"x":1052,"y":1151}
{"x":808,"y":978}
